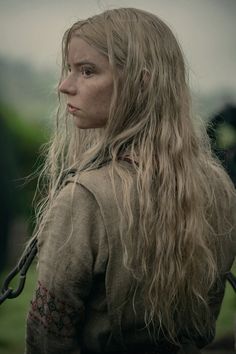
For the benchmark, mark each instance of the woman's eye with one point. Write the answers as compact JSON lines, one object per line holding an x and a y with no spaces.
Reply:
{"x":86,"y":71}
{"x":68,"y":68}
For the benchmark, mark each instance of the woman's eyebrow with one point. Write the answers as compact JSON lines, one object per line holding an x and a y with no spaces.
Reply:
{"x":83,"y":62}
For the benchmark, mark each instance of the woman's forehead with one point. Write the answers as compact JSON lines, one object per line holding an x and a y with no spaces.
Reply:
{"x":79,"y":50}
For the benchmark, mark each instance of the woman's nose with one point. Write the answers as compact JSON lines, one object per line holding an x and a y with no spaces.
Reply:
{"x":67,"y":87}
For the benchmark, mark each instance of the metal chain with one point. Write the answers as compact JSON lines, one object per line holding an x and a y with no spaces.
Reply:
{"x":23,"y":265}
{"x":231,"y":279}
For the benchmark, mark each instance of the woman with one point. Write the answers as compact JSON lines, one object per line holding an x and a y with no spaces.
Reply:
{"x":134,"y":243}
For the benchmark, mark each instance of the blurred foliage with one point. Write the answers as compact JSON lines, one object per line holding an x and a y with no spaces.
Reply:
{"x":225,"y":136}
{"x":26,"y":139}
{"x":222,"y":131}
{"x":227,"y":319}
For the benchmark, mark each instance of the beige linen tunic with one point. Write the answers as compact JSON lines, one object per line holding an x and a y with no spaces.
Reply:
{"x":82,"y":303}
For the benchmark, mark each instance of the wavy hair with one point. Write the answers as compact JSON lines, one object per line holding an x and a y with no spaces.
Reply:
{"x":184,"y":194}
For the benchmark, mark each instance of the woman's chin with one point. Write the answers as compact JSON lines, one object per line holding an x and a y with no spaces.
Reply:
{"x":83,"y":123}
{"x":80,"y":123}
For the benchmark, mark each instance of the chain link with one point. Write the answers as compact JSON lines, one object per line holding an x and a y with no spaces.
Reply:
{"x":5,"y":295}
{"x":22,"y":267}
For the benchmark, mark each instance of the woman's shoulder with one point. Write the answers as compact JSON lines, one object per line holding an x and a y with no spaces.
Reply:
{"x":87,"y":190}
{"x":100,"y":184}
{"x":96,"y":180}
{"x":99,"y":181}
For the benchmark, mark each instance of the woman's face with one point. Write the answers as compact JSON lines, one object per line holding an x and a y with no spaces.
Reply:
{"x":88,"y":86}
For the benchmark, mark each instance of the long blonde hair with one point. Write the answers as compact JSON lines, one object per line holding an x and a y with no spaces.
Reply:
{"x":184,"y":194}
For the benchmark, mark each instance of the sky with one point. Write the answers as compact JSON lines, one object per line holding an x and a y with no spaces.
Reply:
{"x":31,"y":30}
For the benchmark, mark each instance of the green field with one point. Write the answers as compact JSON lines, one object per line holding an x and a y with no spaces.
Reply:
{"x":13,"y":317}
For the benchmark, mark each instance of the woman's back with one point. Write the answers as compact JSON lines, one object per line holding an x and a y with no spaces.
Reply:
{"x":82,"y":270}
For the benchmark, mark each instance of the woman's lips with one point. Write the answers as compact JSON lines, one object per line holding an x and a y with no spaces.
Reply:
{"x":71,"y":109}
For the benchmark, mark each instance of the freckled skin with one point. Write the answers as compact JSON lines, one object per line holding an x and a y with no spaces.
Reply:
{"x":88,"y":86}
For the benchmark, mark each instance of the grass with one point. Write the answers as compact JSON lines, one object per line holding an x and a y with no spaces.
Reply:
{"x":13,"y":317}
{"x":13,"y":314}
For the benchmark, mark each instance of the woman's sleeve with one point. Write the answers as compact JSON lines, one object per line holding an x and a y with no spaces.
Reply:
{"x":71,"y":248}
